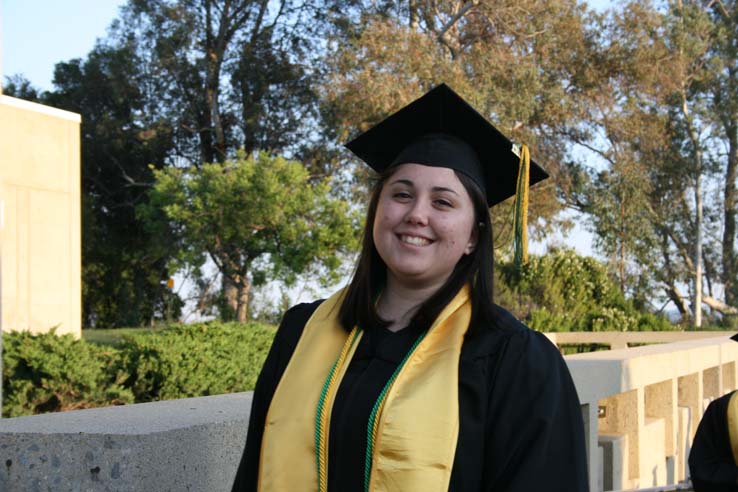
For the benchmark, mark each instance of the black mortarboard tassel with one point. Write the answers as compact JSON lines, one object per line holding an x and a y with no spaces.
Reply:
{"x":441,"y":129}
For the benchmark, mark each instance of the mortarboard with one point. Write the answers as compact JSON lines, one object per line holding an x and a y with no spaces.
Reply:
{"x":441,"y":129}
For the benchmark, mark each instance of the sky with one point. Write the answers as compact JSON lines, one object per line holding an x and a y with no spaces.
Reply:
{"x":35,"y":35}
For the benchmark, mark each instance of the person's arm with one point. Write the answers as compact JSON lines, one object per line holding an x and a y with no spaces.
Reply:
{"x":285,"y":341}
{"x":710,"y":459}
{"x":534,"y":428}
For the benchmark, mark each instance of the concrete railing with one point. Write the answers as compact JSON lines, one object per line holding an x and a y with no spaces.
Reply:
{"x":193,"y":444}
{"x":626,"y":339}
{"x":640,"y":406}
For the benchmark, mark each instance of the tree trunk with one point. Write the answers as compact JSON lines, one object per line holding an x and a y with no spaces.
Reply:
{"x":676,"y":297}
{"x":730,"y":262}
{"x":242,"y":311}
{"x":719,"y":306}
{"x":230,"y":294}
{"x":414,"y":21}
{"x":622,"y":247}
{"x":694,"y":138}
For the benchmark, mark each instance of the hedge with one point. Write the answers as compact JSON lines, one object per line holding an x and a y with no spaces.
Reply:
{"x":47,"y":373}
{"x":195,"y":360}
{"x":50,"y":373}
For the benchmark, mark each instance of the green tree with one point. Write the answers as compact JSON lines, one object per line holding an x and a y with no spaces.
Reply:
{"x":229,"y":74}
{"x":123,"y":265}
{"x":723,"y":94}
{"x":512,"y":60}
{"x":655,"y":118}
{"x":563,"y":291}
{"x":257,"y":218}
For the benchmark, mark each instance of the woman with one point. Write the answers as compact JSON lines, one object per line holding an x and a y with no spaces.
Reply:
{"x":411,"y":379}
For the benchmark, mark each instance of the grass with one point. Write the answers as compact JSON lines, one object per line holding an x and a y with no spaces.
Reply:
{"x":114,"y":336}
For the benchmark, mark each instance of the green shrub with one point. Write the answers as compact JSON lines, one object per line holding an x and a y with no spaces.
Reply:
{"x":563,"y":291}
{"x":49,"y":373}
{"x":195,"y":360}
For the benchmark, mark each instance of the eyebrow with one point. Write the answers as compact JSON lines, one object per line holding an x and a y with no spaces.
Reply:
{"x":435,"y":188}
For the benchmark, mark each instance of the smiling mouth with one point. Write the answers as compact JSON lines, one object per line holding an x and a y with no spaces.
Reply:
{"x":414,"y":240}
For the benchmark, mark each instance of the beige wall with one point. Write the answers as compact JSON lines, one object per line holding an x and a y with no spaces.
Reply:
{"x":40,"y":235}
{"x":652,"y":399}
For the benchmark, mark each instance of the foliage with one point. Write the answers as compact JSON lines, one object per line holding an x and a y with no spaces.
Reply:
{"x":195,"y":360}
{"x":230,"y":73}
{"x":633,"y":112}
{"x":50,"y":373}
{"x":115,"y":337}
{"x":257,"y":218}
{"x":562,"y":291}
{"x":660,"y":114}
{"x":514,"y":61}
{"x":123,"y":265}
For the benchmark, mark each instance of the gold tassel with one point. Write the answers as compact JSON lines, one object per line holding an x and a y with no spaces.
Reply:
{"x":520,"y":221}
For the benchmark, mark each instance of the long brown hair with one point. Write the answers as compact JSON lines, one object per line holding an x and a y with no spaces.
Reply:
{"x":476,"y":269}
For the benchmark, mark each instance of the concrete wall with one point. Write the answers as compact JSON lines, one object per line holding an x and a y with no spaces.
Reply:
{"x":40,"y":232}
{"x":651,"y":399}
{"x":626,"y":339}
{"x":179,"y":445}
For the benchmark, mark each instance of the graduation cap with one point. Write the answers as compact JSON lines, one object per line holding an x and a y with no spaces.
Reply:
{"x":441,"y":129}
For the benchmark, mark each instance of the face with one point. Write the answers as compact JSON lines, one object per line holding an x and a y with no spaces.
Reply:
{"x":424,"y":224}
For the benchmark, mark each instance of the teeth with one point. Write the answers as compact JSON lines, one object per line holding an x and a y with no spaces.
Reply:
{"x":414,"y":240}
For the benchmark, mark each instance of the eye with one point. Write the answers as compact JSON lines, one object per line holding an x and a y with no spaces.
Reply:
{"x":402,"y":195}
{"x":442,"y":202}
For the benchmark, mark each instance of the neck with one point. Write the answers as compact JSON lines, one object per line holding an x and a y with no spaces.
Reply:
{"x":399,"y":301}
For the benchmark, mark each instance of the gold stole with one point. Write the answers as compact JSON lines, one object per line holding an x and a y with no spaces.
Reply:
{"x":419,"y":426}
{"x":733,"y":424}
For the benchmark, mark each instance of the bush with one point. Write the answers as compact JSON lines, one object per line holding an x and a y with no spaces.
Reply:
{"x":195,"y":360}
{"x":50,"y":373}
{"x":563,"y":291}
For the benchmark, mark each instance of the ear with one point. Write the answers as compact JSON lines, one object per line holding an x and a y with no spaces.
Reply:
{"x":472,"y":241}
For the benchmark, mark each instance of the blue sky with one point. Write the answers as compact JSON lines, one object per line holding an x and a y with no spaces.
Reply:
{"x":38,"y":34}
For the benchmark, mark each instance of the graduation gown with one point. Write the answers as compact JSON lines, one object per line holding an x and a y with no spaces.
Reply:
{"x":520,"y":428}
{"x":711,"y":462}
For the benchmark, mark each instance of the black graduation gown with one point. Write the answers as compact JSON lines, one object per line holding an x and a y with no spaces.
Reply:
{"x":521,"y":427}
{"x":711,"y":462}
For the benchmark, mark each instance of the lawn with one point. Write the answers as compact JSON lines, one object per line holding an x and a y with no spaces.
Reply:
{"x":113,"y":336}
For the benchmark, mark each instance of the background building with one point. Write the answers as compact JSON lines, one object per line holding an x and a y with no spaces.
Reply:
{"x":40,"y":235}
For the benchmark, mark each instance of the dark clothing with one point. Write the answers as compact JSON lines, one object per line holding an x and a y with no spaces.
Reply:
{"x":521,"y":426}
{"x":711,"y":462}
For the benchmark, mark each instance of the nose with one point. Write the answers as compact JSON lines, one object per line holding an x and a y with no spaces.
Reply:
{"x":417,"y":214}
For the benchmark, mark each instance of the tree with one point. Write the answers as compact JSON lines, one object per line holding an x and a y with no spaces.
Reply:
{"x":123,"y":266}
{"x":257,"y":218}
{"x":229,"y":74}
{"x":511,"y":60}
{"x":723,"y":93}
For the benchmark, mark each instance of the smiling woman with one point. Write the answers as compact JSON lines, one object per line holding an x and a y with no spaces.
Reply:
{"x":424,"y":225}
{"x":411,"y":378}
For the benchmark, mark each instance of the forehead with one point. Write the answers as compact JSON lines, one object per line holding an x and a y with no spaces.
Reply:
{"x":421,"y":175}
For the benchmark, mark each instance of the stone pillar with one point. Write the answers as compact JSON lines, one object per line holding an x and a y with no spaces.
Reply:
{"x":711,"y":383}
{"x":689,"y":394}
{"x":591,"y":431}
{"x":624,"y":415}
{"x":728,"y":373}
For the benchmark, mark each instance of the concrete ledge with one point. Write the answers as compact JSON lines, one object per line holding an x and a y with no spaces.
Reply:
{"x":190,"y":444}
{"x":40,"y":108}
